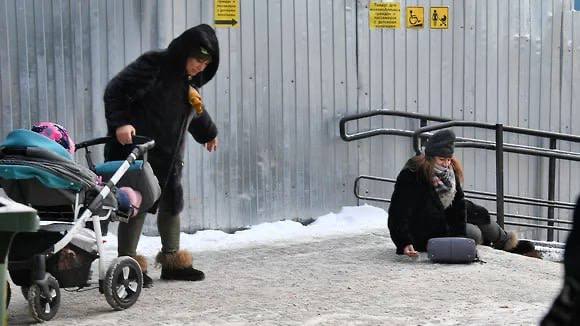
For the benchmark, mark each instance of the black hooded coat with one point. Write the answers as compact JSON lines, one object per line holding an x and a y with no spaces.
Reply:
{"x":151,"y":94}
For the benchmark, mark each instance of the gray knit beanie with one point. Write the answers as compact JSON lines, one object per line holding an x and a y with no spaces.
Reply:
{"x":441,"y":144}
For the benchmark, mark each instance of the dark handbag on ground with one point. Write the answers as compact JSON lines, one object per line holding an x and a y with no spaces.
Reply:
{"x":452,"y":250}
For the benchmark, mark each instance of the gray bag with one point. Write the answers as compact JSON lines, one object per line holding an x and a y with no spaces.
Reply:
{"x":452,"y":250}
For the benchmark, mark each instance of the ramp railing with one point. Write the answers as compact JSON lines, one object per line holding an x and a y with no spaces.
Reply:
{"x":552,"y":153}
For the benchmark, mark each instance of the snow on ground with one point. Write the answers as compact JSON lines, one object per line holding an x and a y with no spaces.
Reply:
{"x":350,"y":220}
{"x":551,"y":253}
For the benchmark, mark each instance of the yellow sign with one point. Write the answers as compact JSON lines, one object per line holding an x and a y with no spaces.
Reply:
{"x":385,"y":15}
{"x":439,"y":17}
{"x":415,"y":17}
{"x":226,"y":13}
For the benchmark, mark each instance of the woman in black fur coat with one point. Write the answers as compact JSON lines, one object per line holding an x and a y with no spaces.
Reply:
{"x":428,"y":202}
{"x":157,"y":96}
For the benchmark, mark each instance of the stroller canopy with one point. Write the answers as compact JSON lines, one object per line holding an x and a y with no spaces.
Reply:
{"x":20,"y":138}
{"x":42,"y":159}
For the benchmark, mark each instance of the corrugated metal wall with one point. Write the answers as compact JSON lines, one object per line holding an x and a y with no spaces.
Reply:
{"x":512,"y":62}
{"x":290,"y":72}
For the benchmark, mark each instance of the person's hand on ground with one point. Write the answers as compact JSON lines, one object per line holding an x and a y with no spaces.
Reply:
{"x":409,"y":250}
{"x":125,"y":134}
{"x":211,"y":145}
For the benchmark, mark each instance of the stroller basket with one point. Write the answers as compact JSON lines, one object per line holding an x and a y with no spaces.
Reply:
{"x":72,"y":267}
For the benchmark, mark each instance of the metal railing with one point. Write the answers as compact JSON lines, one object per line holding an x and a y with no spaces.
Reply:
{"x":472,"y":194}
{"x":498,"y":146}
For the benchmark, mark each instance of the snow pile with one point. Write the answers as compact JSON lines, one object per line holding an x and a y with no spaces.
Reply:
{"x":350,"y":220}
{"x":550,"y":250}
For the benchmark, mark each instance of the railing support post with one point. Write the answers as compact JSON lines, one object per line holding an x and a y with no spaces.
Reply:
{"x":499,"y":173}
{"x":551,"y":188}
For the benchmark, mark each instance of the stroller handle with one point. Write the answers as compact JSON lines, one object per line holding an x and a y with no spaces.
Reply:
{"x":141,"y":140}
{"x":143,"y":148}
{"x":144,"y":144}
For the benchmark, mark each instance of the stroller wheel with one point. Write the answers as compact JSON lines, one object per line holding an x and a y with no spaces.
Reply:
{"x":44,"y":307}
{"x":123,"y":283}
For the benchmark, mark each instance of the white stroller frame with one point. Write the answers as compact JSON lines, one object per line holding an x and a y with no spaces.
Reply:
{"x":95,"y":218}
{"x":121,"y":290}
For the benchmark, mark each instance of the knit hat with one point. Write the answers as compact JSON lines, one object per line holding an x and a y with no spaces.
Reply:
{"x":441,"y":144}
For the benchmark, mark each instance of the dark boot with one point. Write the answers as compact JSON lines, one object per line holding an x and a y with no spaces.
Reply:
{"x":142,"y":261}
{"x":526,"y":248}
{"x":178,"y":266}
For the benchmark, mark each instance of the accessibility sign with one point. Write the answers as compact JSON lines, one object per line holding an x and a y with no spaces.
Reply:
{"x":384,"y":15}
{"x":439,"y":17}
{"x":226,"y":13}
{"x":415,"y":17}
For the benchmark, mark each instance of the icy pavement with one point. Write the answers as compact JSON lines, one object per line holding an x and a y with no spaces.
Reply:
{"x":347,"y":279}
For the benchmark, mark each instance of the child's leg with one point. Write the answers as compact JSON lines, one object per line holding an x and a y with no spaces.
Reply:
{"x":128,"y":235}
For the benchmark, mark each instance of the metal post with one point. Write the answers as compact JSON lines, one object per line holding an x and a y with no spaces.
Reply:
{"x":499,"y":173}
{"x":422,"y":123}
{"x":551,"y":188}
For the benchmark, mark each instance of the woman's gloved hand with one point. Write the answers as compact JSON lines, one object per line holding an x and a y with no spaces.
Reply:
{"x":195,"y":100}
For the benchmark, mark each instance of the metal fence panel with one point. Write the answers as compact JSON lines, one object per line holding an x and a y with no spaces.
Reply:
{"x":289,"y":72}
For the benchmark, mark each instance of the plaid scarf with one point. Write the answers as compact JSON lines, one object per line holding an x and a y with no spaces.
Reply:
{"x":444,"y":183}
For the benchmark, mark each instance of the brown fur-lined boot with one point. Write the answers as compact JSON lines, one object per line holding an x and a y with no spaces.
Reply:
{"x":142,"y":261}
{"x":178,"y":266}
{"x":509,"y":243}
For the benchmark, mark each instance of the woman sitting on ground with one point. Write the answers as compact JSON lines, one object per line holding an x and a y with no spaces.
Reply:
{"x":428,"y":202}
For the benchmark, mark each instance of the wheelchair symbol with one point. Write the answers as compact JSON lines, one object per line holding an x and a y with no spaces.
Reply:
{"x":414,"y":20}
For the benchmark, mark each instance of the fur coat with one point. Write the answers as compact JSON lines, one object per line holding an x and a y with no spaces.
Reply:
{"x":152,"y":95}
{"x":417,"y":215}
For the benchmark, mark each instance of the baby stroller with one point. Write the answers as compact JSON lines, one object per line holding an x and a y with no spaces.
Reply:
{"x":74,"y":208}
